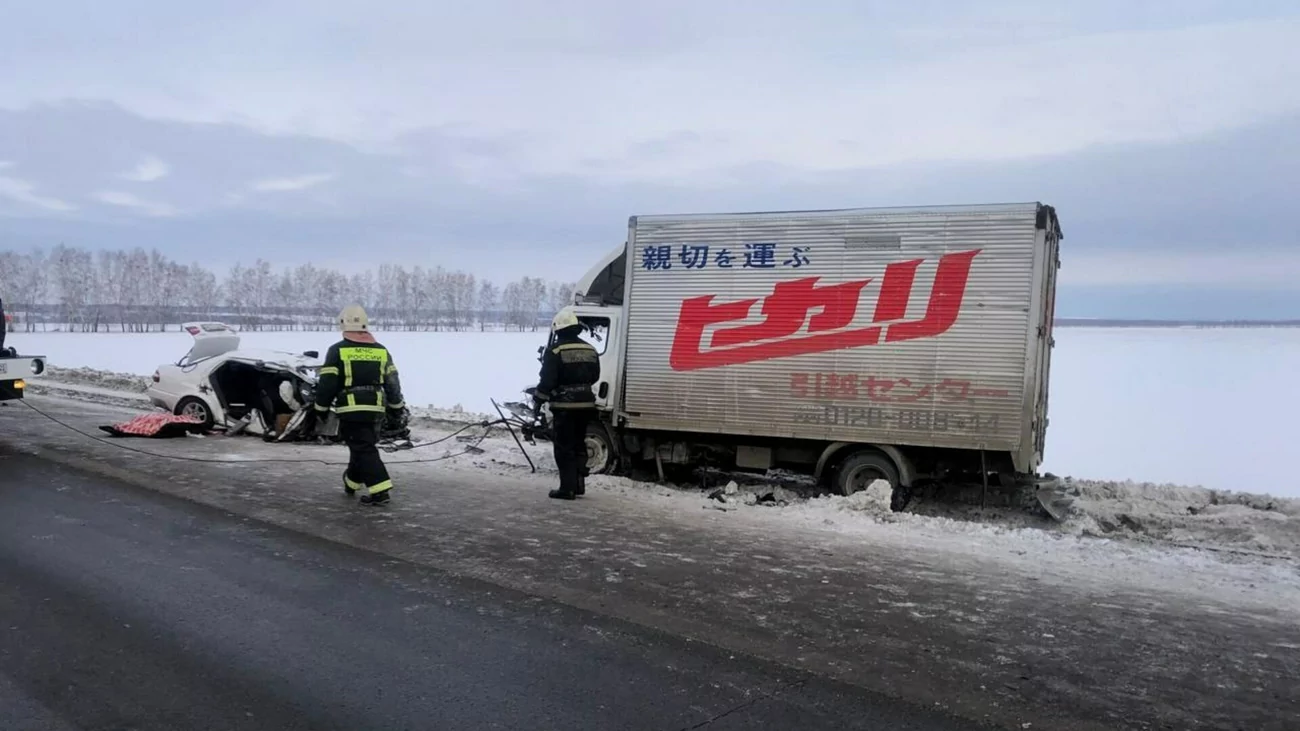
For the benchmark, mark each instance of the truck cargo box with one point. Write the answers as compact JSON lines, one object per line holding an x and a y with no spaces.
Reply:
{"x":929,"y":327}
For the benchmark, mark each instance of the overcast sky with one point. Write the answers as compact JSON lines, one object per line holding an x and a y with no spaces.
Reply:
{"x":512,"y":137}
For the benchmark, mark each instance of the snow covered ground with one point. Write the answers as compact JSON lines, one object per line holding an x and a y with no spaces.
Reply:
{"x":1209,"y":407}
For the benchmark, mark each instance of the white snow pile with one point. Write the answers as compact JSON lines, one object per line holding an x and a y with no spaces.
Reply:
{"x":1191,"y":515}
{"x":456,"y":415}
{"x":128,"y":382}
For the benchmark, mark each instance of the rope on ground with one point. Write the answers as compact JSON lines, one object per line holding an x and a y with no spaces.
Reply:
{"x":485,"y":425}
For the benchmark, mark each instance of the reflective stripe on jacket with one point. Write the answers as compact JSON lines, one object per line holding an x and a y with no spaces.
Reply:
{"x":569,"y":369}
{"x":358,"y":378}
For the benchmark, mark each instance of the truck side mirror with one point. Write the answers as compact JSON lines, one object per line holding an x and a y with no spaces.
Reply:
{"x":604,"y":389}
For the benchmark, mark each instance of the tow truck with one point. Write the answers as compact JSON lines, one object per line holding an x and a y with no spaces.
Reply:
{"x":15,"y":369}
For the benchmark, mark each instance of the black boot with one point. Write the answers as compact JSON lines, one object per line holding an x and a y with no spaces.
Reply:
{"x":376,"y":499}
{"x":582,"y":479}
{"x":561,"y":495}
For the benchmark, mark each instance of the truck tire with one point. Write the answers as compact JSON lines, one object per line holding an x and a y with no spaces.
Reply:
{"x":601,"y":455}
{"x":861,"y":468}
{"x":196,"y":407}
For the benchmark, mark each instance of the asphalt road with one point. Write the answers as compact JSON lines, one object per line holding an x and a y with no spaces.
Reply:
{"x":121,"y":609}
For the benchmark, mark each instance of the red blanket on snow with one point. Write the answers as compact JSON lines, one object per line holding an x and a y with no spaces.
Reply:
{"x":156,"y":426}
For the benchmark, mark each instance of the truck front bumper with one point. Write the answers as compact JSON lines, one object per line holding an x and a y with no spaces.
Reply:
{"x":14,"y":373}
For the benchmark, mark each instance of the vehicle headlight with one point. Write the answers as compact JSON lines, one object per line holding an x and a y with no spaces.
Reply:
{"x":38,"y":366}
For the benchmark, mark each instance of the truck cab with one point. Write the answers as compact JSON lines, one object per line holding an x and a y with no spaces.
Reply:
{"x":598,"y":304}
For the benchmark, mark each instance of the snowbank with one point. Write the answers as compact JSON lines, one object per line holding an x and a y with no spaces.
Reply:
{"x":126,"y":382}
{"x":1189,"y":517}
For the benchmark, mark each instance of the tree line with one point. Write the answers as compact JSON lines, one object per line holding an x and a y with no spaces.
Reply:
{"x":145,"y":291}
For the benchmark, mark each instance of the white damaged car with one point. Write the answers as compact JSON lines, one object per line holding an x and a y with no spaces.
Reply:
{"x":225,"y":386}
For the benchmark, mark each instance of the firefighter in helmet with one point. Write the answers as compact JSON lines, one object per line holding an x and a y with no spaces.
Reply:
{"x":359,"y":382}
{"x":570,"y":367}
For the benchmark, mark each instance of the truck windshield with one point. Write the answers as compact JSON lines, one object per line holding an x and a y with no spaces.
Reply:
{"x":596,"y":332}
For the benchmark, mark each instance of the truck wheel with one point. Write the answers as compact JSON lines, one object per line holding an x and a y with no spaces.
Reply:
{"x":860,"y":469}
{"x":196,"y":407}
{"x":601,"y":457}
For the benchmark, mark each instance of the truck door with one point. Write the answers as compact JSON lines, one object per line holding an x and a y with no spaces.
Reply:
{"x":599,"y":332}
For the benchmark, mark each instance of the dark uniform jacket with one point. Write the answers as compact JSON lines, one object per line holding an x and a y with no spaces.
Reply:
{"x":359,"y":380}
{"x":569,"y":369}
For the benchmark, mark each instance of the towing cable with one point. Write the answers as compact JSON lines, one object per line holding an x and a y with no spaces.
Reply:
{"x":486,"y":426}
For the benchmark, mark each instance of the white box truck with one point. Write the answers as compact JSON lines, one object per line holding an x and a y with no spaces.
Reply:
{"x":906,"y":344}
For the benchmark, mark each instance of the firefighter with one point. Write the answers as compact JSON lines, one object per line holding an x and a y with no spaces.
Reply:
{"x":570,"y":367}
{"x":359,"y":381}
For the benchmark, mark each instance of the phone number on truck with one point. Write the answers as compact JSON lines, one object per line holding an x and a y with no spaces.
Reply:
{"x":874,"y":417}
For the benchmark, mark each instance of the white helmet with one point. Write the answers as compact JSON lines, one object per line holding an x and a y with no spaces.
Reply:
{"x":564,"y":318}
{"x":353,"y":318}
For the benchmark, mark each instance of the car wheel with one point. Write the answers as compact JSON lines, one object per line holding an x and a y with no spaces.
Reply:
{"x":197,"y":408}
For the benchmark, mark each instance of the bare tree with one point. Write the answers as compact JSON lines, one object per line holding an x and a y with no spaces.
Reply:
{"x":488,"y":299}
{"x":37,"y":284}
{"x":73,"y":270}
{"x":140,"y":291}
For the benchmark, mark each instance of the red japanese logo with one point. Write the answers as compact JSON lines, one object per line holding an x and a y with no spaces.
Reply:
{"x":786,"y":311}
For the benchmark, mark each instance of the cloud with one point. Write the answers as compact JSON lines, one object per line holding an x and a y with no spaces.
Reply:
{"x":129,"y":200}
{"x":504,"y":138}
{"x":933,"y":81}
{"x":301,"y":182}
{"x":22,"y":191}
{"x":148,"y":170}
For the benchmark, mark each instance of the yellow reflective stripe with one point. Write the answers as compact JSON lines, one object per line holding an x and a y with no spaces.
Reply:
{"x":573,"y":404}
{"x":572,"y":346}
{"x":359,"y":407}
{"x":329,"y":371}
{"x":353,"y":483}
{"x":321,"y":408}
{"x":368,"y":355}
{"x":381,"y":487}
{"x":397,"y":405}
{"x":391,"y":369}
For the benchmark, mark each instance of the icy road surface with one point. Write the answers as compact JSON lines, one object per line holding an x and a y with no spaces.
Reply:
{"x":126,"y":609}
{"x":1010,"y":625}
